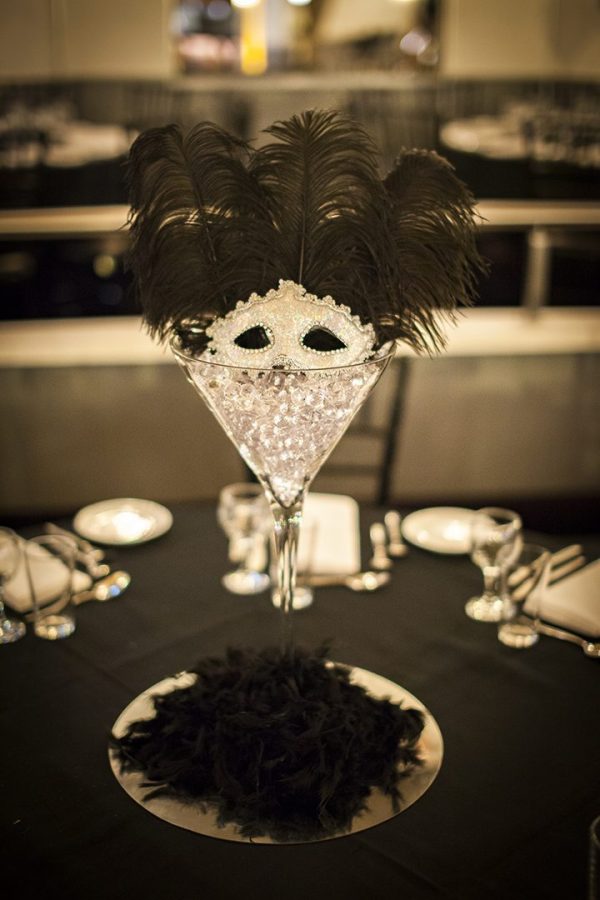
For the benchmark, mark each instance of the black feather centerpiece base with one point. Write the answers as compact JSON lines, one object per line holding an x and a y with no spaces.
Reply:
{"x":283,"y":745}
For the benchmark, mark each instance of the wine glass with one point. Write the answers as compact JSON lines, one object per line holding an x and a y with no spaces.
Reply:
{"x":244,"y":516}
{"x":284,"y":423}
{"x":495,"y":543}
{"x":10,"y":629}
{"x":521,"y":611}
{"x":49,"y":565}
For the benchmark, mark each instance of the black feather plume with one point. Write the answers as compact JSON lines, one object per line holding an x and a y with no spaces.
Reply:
{"x":193,"y":204}
{"x":325,"y":200}
{"x":213,"y":220}
{"x":435,"y":259}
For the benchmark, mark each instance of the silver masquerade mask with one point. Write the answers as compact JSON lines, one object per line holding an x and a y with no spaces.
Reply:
{"x":289,"y":328}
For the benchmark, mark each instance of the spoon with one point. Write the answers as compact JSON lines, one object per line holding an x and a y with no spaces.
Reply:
{"x":106,"y":589}
{"x":380,"y":559}
{"x":358,"y":581}
{"x":396,"y":546}
{"x":590,"y":648}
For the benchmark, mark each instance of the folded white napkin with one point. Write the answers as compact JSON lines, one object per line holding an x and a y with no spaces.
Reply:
{"x":330,"y":535}
{"x":47,"y":573}
{"x":574,"y":602}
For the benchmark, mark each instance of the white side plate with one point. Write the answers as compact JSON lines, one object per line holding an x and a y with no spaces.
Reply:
{"x":122,"y":521}
{"x":442,"y":529}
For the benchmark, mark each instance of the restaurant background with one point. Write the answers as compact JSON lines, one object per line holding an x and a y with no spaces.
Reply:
{"x":508,"y":91}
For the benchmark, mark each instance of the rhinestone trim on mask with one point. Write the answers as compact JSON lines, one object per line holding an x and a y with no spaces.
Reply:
{"x":288,"y":314}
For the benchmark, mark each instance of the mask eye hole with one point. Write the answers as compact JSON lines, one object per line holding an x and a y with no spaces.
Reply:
{"x":255,"y":338}
{"x":322,"y":340}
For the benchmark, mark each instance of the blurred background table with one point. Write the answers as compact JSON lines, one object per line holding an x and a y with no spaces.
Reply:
{"x":507,"y":816}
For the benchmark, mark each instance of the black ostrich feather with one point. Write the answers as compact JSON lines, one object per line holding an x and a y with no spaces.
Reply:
{"x":326,"y":201}
{"x":435,"y":261}
{"x":193,"y":208}
{"x":213,"y":220}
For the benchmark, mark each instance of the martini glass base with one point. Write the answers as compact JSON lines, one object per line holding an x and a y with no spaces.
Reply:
{"x":303,"y":597}
{"x":246,"y":582}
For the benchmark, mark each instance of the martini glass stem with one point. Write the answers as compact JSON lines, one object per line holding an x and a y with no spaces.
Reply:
{"x":287,"y":532}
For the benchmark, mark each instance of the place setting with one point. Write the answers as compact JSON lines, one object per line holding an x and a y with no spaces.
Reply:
{"x":45,"y":578}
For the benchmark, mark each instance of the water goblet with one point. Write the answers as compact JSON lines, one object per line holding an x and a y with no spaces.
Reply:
{"x":495,"y":543}
{"x":243,"y":513}
{"x":517,"y":629}
{"x":49,"y":565}
{"x":10,"y":629}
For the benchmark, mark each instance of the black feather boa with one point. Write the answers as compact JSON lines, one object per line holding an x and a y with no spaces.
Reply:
{"x":281,"y":744}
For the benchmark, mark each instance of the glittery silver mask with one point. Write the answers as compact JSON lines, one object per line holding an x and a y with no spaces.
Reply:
{"x":292,"y":329}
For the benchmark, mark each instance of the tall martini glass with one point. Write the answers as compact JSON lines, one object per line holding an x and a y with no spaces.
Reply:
{"x":284,"y":423}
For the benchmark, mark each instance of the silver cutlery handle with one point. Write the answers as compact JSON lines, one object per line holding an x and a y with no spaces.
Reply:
{"x":590,"y":648}
{"x":523,"y":588}
{"x":380,"y":558}
{"x":557,"y":558}
{"x":392,"y":521}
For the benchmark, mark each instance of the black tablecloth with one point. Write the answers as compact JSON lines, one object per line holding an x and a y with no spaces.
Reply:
{"x":507,"y":816}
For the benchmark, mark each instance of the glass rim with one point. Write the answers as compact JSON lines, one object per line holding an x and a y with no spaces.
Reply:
{"x":499,"y":512}
{"x":386,"y":352}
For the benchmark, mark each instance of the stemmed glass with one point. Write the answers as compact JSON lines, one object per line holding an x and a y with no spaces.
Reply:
{"x":495,"y":543}
{"x":243,"y":514}
{"x":284,"y":423}
{"x":49,"y":565}
{"x":522,"y":607}
{"x":10,"y":629}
